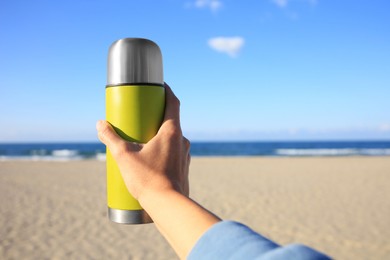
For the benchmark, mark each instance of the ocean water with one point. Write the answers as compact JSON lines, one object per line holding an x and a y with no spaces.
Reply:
{"x":96,"y":151}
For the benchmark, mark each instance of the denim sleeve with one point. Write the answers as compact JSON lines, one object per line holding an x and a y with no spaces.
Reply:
{"x":232,"y":240}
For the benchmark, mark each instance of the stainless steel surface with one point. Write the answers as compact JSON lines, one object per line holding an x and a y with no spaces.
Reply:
{"x":129,"y":216}
{"x":134,"y":60}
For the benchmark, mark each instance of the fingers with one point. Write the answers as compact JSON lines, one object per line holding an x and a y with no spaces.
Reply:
{"x":172,"y":106}
{"x":111,"y":139}
{"x":186,"y":185}
{"x":187,"y":144}
{"x":106,"y":133}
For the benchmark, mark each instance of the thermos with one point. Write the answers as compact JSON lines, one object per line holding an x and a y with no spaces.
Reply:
{"x":135,"y":103}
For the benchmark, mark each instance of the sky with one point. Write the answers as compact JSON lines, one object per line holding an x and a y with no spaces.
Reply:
{"x":244,"y":70}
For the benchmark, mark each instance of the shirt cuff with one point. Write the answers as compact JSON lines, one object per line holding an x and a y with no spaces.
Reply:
{"x":231,"y":240}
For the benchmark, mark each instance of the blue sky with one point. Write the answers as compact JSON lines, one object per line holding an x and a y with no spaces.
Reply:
{"x":243,"y":70}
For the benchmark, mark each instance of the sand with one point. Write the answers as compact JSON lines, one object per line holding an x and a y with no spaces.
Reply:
{"x":341,"y":206}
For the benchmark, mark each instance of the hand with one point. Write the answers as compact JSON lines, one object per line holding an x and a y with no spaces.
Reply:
{"x":161,"y":164}
{"x":156,"y":173}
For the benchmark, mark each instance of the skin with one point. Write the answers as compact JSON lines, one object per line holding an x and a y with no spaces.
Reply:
{"x":156,"y":174}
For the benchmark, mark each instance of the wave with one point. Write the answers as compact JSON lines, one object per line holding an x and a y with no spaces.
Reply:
{"x":333,"y":152}
{"x":55,"y":155}
{"x":101,"y":156}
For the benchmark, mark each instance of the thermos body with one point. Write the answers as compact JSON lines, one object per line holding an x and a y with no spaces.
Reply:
{"x":135,"y":104}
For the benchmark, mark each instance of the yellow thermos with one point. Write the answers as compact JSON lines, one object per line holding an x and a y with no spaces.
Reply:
{"x":135,"y":103}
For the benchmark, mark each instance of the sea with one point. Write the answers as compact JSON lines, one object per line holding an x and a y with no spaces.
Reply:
{"x":96,"y":151}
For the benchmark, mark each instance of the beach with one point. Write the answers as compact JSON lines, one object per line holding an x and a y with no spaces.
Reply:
{"x":338,"y":205}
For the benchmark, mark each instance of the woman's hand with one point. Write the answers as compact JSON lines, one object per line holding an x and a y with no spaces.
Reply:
{"x":160,"y":164}
{"x":156,"y":173}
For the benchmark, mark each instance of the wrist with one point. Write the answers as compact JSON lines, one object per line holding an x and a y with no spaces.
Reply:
{"x":181,"y":220}
{"x":153,"y":193}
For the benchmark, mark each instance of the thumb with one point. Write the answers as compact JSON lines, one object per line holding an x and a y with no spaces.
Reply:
{"x":108,"y":136}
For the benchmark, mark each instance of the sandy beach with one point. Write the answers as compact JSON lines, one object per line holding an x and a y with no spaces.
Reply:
{"x":338,"y":205}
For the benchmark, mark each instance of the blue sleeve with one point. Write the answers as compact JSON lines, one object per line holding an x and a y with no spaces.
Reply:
{"x":232,"y":240}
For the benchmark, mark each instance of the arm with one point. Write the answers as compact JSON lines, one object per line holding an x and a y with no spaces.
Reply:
{"x":156,"y":174}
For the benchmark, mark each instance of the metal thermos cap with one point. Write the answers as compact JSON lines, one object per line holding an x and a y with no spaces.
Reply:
{"x":134,"y":61}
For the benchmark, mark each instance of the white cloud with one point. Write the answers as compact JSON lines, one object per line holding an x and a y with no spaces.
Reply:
{"x":284,"y":3}
{"x":213,"y":5}
{"x":281,"y":3}
{"x":384,"y":128}
{"x":228,"y":45}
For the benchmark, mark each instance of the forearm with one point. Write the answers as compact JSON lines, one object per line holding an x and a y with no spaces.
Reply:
{"x":179,"y":219}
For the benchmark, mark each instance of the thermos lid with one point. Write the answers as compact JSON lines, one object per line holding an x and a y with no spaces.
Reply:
{"x":134,"y":61}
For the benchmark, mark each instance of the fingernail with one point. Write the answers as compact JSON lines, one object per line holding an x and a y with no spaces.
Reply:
{"x":99,"y":124}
